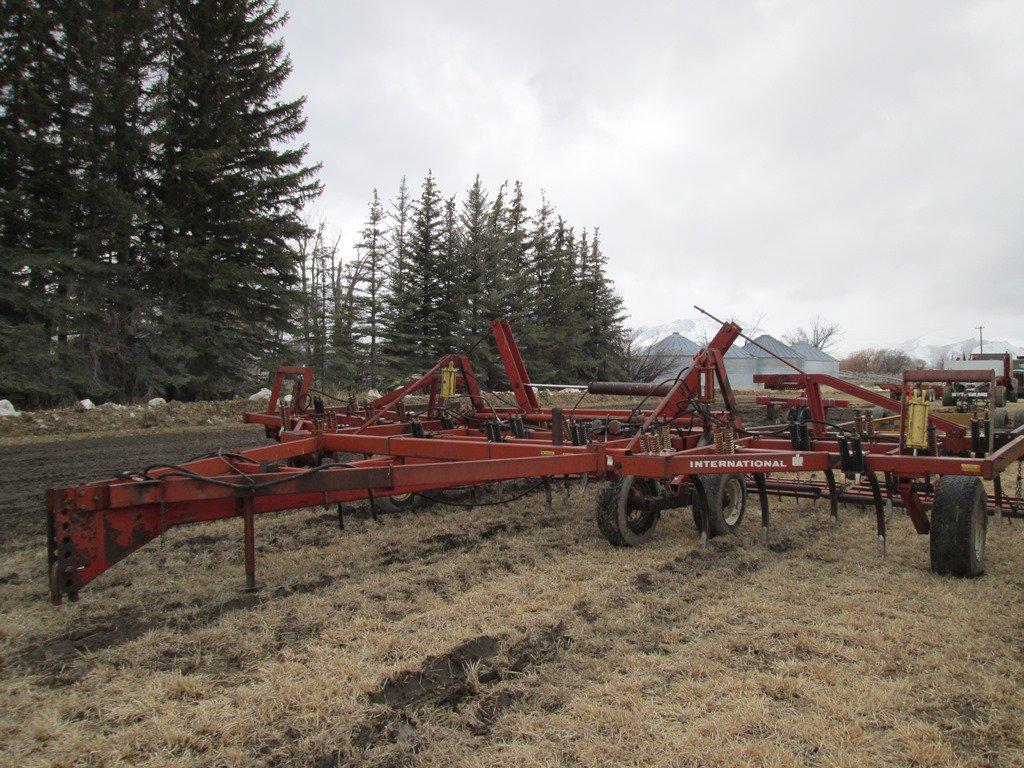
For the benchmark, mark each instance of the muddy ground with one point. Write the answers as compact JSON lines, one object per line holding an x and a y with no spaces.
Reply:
{"x":501,"y":635}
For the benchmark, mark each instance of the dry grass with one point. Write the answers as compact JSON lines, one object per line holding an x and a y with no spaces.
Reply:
{"x":513,"y":636}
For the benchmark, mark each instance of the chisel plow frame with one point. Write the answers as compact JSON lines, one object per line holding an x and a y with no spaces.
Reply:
{"x":419,"y":439}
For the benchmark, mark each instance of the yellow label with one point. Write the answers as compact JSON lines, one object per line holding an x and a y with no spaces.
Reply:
{"x":547,"y":453}
{"x":970,"y":467}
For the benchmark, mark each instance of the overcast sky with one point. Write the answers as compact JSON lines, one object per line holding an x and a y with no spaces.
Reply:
{"x":859,"y":161}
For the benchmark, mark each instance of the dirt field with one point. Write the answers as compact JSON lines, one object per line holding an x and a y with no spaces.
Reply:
{"x":499,"y":636}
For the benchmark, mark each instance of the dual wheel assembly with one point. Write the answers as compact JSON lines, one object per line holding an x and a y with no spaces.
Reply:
{"x":629,"y":508}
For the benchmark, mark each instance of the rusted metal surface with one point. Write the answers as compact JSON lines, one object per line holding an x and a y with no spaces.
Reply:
{"x":629,"y":388}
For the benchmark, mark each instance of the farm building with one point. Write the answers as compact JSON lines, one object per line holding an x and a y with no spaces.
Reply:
{"x":741,"y":366}
{"x":673,"y":352}
{"x":743,"y":362}
{"x":816,"y":360}
{"x":767,"y":363}
{"x":675,"y":345}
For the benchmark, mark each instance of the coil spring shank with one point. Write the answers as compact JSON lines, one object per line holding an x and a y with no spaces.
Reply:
{"x":725,"y":438}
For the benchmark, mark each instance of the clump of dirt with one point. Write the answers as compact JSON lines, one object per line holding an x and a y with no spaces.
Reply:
{"x":440,"y":680}
{"x":469,"y":677}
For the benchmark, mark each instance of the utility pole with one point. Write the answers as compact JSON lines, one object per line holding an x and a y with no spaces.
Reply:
{"x":981,"y":339}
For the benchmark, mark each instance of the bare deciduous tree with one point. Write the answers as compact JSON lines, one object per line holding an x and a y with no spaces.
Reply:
{"x":822,"y":334}
{"x":642,"y":362}
{"x":889,"y":361}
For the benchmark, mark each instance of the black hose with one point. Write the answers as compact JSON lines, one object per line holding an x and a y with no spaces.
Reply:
{"x":496,"y":503}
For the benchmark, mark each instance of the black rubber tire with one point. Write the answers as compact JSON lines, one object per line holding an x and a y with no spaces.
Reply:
{"x":726,"y":513}
{"x":1000,"y":397}
{"x":1018,"y":418}
{"x":959,"y":522}
{"x":1011,"y":395}
{"x":613,"y":512}
{"x":948,"y":396}
{"x":1000,"y":418}
{"x":406,"y":502}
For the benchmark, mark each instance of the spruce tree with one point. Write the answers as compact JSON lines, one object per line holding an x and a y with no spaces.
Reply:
{"x":233,"y":182}
{"x":347,"y":368}
{"x":606,"y":340}
{"x":374,"y":251}
{"x":424,"y":242}
{"x":399,"y":337}
{"x":543,"y":308}
{"x":117,"y":48}
{"x":78,"y":123}
{"x":450,"y":286}
{"x":475,"y":245}
{"x":493,"y":301}
{"x":31,"y":196}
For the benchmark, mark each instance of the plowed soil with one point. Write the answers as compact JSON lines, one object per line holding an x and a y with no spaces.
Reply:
{"x":499,"y":635}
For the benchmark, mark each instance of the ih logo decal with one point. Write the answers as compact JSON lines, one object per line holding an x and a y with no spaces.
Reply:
{"x":797,"y":460}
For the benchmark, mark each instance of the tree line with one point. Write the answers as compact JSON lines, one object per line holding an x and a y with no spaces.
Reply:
{"x":431,"y":272}
{"x":152,"y":240}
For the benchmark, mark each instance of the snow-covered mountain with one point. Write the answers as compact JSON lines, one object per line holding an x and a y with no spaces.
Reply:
{"x":695,"y":328}
{"x":933,"y":350}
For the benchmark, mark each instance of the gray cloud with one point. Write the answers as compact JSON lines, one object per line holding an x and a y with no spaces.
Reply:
{"x":861,"y":161}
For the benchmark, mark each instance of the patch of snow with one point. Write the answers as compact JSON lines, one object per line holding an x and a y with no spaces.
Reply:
{"x":87,"y":404}
{"x":287,"y":399}
{"x":263,"y":394}
{"x":156,"y":401}
{"x":7,"y":408}
{"x":372,"y":394}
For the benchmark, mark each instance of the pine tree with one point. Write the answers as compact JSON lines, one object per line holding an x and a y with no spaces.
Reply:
{"x":116,"y":48}
{"x":450,"y":285}
{"x":520,"y":288}
{"x":474,"y":249}
{"x":347,"y":368}
{"x":399,"y":339}
{"x":423,"y":323}
{"x":493,"y":297}
{"x":374,"y":251}
{"x":31,"y":197}
{"x":77,"y":151}
{"x":232,"y":185}
{"x":543,"y":308}
{"x":601,"y":313}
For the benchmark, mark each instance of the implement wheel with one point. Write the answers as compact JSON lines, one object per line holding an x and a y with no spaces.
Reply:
{"x":948,"y":395}
{"x":1000,"y":418}
{"x":959,"y":521}
{"x":620,"y":513}
{"x":727,"y":499}
{"x":403,"y":502}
